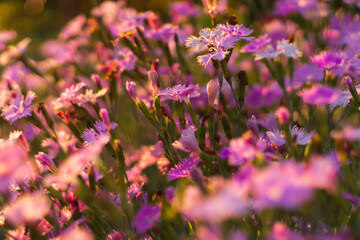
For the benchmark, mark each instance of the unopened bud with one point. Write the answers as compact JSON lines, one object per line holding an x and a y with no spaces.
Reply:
{"x":196,"y":174}
{"x":45,"y":160}
{"x":212,"y":89}
{"x":282,"y":113}
{"x":242,"y":78}
{"x":104,"y":115}
{"x":131,"y":88}
{"x":348,"y":81}
{"x":232,"y":20}
{"x":153,"y":77}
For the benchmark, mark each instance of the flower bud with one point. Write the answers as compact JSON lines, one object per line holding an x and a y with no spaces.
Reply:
{"x":131,"y":88}
{"x":282,"y":113}
{"x":104,"y":115}
{"x":348,"y":81}
{"x":45,"y":160}
{"x":212,"y":89}
{"x":153,"y":77}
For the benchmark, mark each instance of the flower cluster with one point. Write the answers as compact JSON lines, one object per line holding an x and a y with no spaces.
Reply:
{"x":115,"y":132}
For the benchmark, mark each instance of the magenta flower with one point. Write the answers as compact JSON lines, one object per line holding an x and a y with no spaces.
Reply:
{"x":18,"y":107}
{"x":320,"y":95}
{"x":182,"y":170}
{"x":187,"y":141}
{"x":92,"y":135}
{"x":146,"y":218}
{"x":235,"y":31}
{"x":327,"y":60}
{"x":179,"y":92}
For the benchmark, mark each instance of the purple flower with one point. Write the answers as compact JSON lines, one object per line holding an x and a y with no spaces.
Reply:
{"x":307,"y":73}
{"x":343,"y":98}
{"x":187,"y":142}
{"x":92,"y":135}
{"x":146,"y":218}
{"x":18,"y":107}
{"x":236,"y":31}
{"x":179,"y":92}
{"x":261,"y":96}
{"x":257,"y":44}
{"x":299,"y":134}
{"x":320,"y":95}
{"x":327,"y":60}
{"x":353,"y":199}
{"x":183,"y":169}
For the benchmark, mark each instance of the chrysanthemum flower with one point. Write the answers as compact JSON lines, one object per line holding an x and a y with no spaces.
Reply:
{"x":19,"y":107}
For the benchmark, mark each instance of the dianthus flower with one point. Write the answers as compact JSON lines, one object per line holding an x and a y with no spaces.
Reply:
{"x":92,"y":135}
{"x":27,"y":209}
{"x":187,"y":141}
{"x":182,"y":169}
{"x":327,"y":60}
{"x":146,"y":218}
{"x":19,"y":107}
{"x":179,"y":92}
{"x":320,"y":95}
{"x":299,"y":134}
{"x":218,"y":41}
{"x":72,"y":95}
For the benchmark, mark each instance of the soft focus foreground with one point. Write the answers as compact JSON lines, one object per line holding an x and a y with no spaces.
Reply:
{"x":225,"y":121}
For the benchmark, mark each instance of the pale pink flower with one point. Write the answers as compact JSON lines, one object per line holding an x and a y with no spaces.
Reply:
{"x":187,"y":141}
{"x":19,"y":107}
{"x":28,"y":208}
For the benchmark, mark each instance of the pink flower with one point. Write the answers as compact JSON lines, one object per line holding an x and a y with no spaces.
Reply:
{"x":13,"y":165}
{"x":146,"y":218}
{"x":187,"y":141}
{"x":75,"y":232}
{"x":29,"y":208}
{"x":235,"y":31}
{"x":179,"y":92}
{"x":76,"y":163}
{"x":73,"y":28}
{"x":228,"y":200}
{"x":19,"y":107}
